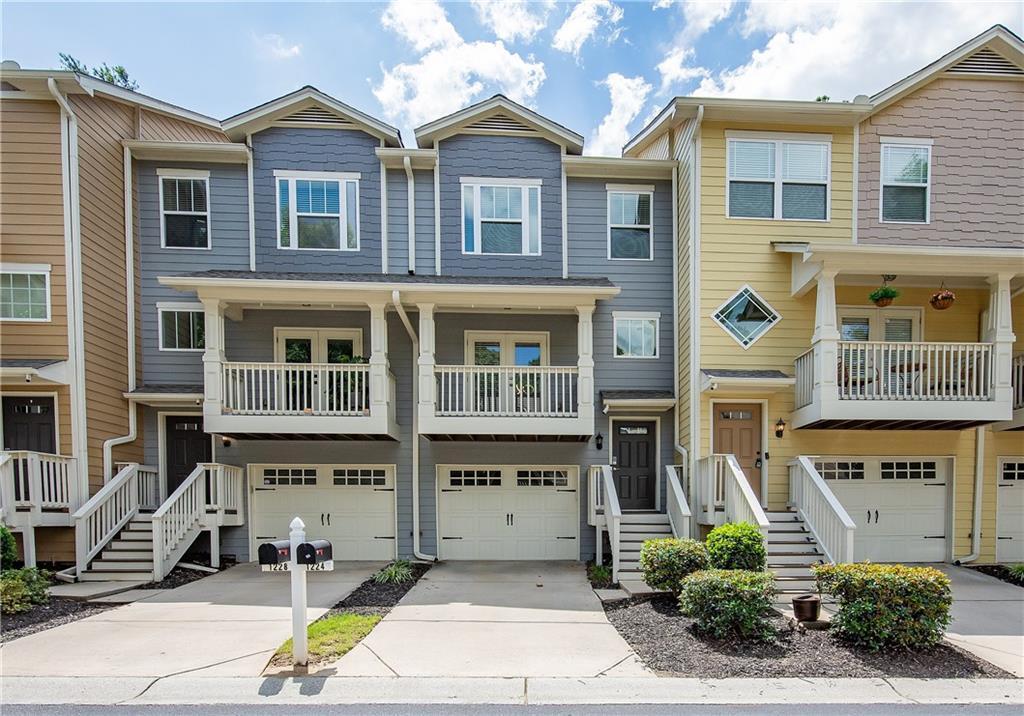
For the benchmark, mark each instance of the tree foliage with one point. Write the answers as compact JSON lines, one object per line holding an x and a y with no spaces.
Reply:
{"x":116,"y":75}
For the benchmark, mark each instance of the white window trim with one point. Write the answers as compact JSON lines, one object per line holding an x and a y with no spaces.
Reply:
{"x":39,"y":270}
{"x":779,"y":140}
{"x":726,"y":302}
{"x":636,"y":316}
{"x":925,"y":144}
{"x":175,"y":307}
{"x":622,"y":189}
{"x":191,"y":174}
{"x":293,"y":213}
{"x":523,"y":185}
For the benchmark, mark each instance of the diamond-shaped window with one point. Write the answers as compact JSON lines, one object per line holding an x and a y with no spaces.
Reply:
{"x":746,"y":316}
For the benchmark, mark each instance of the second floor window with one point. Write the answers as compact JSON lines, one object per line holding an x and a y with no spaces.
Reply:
{"x":317,"y":211}
{"x":182,"y":328}
{"x":778,"y":179}
{"x":184,"y":209}
{"x":906,"y":171}
{"x":629,"y":224}
{"x":25,"y":293}
{"x":636,"y":334}
{"x":500,"y":218}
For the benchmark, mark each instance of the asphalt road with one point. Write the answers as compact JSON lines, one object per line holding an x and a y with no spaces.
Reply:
{"x":444,"y":709}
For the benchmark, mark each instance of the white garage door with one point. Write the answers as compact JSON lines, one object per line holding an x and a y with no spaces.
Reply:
{"x":508,"y":512}
{"x":353,"y":506}
{"x":1010,"y":511}
{"x":898,"y":504}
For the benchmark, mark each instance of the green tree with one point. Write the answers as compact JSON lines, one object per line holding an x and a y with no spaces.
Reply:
{"x":822,"y":98}
{"x":116,"y":75}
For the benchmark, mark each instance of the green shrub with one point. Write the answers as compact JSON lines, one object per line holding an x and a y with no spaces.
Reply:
{"x":730,"y":603}
{"x":21,"y":589}
{"x":664,"y":562}
{"x":884,"y":605}
{"x":8,"y":548}
{"x":398,"y":572}
{"x":599,"y":575}
{"x":1017,"y":571}
{"x":737,"y":545}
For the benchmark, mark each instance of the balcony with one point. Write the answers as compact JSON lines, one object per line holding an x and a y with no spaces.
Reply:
{"x":1016,"y":422}
{"x":37,"y":490}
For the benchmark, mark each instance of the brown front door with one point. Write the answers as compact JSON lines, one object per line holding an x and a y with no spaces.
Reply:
{"x":738,"y":431}
{"x":635,"y":464}
{"x":187,"y":445}
{"x":29,"y":424}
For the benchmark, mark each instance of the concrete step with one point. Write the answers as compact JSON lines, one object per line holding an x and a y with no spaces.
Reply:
{"x":94,"y":575}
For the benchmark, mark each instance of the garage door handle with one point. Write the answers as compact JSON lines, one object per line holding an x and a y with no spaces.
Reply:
{"x":321,"y":519}
{"x":876,"y":518}
{"x":869,"y":517}
{"x":328,"y":519}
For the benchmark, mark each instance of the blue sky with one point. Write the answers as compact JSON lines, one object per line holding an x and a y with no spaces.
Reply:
{"x":600,"y":67}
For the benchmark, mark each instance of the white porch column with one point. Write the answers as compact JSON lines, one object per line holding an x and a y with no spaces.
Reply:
{"x":213,"y":358}
{"x":826,"y":340}
{"x":999,"y":332}
{"x":378,"y":361}
{"x":585,"y":363}
{"x":427,"y":385}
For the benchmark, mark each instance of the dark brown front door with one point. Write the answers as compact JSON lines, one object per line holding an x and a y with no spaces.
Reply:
{"x":29,"y":424}
{"x":738,"y":432}
{"x":635,"y":464}
{"x":187,"y":445}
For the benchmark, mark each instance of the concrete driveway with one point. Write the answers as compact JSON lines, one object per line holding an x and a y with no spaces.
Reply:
{"x":988,"y":618}
{"x":503,"y":619}
{"x":227,"y":624}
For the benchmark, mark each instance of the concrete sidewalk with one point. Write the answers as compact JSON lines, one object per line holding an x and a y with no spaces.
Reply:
{"x":988,"y":618}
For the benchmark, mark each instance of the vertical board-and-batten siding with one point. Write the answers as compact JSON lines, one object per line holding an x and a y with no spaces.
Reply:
{"x":229,"y":233}
{"x":316,"y":150}
{"x":503,"y":158}
{"x":977,"y":164}
{"x":32,"y":211}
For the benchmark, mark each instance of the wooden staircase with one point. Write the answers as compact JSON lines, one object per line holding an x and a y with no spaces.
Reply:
{"x":637,"y":527}
{"x":128,"y":557}
{"x":792,"y":552}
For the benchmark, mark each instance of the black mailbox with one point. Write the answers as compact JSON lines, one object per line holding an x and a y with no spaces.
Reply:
{"x":275,"y":552}
{"x":314,"y":552}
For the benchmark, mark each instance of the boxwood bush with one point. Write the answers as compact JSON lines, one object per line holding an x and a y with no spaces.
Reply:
{"x":8,"y":548}
{"x":730,"y":603}
{"x":22,"y":589}
{"x":883,"y":605}
{"x":738,"y":545}
{"x":664,"y":562}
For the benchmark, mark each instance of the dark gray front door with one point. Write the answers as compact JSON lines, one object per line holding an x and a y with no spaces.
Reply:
{"x":187,"y":445}
{"x":29,"y":424}
{"x":634,"y":451}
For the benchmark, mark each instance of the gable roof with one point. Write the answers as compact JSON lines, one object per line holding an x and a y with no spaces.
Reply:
{"x":308,"y":106}
{"x":498,"y":115}
{"x":996,"y":53}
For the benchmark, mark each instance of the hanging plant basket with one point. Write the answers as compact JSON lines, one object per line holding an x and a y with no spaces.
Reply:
{"x":942,"y":299}
{"x":883,"y":296}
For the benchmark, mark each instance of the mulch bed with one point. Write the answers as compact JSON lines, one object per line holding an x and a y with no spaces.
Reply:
{"x":666,"y":642}
{"x":46,"y":616}
{"x":370,"y":598}
{"x":1000,"y":572}
{"x":177,"y":577}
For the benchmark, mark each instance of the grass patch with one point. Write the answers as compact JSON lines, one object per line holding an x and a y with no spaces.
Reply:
{"x":332,"y":637}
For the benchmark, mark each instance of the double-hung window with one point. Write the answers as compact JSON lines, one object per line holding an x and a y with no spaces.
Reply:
{"x":630,"y":234}
{"x":906,"y":173}
{"x":317,"y":210}
{"x":184,"y":208}
{"x":182,"y":327}
{"x":501,"y":216}
{"x":25,"y":292}
{"x":636,"y":334}
{"x":778,"y":178}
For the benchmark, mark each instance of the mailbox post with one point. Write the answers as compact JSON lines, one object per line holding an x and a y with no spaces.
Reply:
{"x":300,"y":646}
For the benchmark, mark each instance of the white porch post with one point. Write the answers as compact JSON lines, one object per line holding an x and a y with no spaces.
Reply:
{"x":585,"y":363}
{"x":999,"y":332}
{"x":426,"y":361}
{"x":826,"y":340}
{"x":378,"y":362}
{"x":213,"y":358}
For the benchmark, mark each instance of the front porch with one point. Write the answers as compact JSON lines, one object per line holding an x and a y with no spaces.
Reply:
{"x":37,"y":490}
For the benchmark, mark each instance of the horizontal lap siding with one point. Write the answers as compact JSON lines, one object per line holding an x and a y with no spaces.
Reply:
{"x":684,"y":155}
{"x":977,"y":169}
{"x":424,"y":222}
{"x":158,"y":126}
{"x":32,"y":219}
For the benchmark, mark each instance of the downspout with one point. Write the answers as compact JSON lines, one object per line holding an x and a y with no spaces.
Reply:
{"x":252,"y":203}
{"x":437,"y":215}
{"x":383,"y":217}
{"x":396,"y":298}
{"x":410,"y":188}
{"x":979,"y":481}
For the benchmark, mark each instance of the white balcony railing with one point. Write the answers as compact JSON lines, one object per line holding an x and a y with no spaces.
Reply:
{"x":37,"y":481}
{"x":821,"y":510}
{"x":803,"y":389}
{"x":877,"y":370}
{"x":1017,"y":377}
{"x":329,"y":389}
{"x":507,"y":391}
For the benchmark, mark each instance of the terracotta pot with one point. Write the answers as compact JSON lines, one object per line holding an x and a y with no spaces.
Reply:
{"x":883,"y":302}
{"x":807,"y":607}
{"x":941,"y":304}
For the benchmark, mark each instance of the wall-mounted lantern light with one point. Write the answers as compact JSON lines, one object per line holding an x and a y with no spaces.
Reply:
{"x":780,"y":428}
{"x":225,"y":441}
{"x":599,"y":441}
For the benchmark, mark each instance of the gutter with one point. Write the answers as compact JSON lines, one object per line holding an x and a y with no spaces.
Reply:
{"x":410,"y":188}
{"x":396,"y":299}
{"x":979,"y":482}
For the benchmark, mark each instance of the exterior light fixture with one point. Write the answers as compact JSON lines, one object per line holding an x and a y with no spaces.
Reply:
{"x":225,"y":441}
{"x":599,"y":441}
{"x":780,"y":428}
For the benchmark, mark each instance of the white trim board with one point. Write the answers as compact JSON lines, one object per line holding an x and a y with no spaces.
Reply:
{"x":740,"y":400}
{"x":636,"y":418}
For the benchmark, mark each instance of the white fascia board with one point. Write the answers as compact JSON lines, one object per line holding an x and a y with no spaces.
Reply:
{"x":428,"y":131}
{"x":653,"y":130}
{"x":394,"y":157}
{"x":658,"y":404}
{"x":95,"y":86}
{"x":158,"y":150}
{"x":500,"y":181}
{"x":618,"y":167}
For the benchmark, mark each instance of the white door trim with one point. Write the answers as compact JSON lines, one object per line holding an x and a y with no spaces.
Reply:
{"x":36,"y":394}
{"x":507,"y":341}
{"x":161,"y":442}
{"x":612,"y":419}
{"x":317,"y":336}
{"x":763,"y":402}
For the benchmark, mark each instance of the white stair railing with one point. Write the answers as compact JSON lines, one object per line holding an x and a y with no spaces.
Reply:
{"x":612,"y":516}
{"x":741,"y":504}
{"x":178,"y":521}
{"x":1017,"y":379}
{"x":224,"y":486}
{"x":595,"y":500}
{"x":6,"y":488}
{"x":709,"y":487}
{"x":678,"y":510}
{"x":821,"y":510}
{"x":100,"y":519}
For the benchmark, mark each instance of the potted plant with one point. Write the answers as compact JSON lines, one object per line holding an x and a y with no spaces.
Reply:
{"x":883,"y":296}
{"x":807,"y":607}
{"x":942,"y":299}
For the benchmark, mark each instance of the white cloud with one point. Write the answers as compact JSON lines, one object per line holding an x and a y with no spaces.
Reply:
{"x":699,"y":16}
{"x":451,"y":73}
{"x":584,"y":22}
{"x":275,"y":46}
{"x":628,"y":95}
{"x":674,"y":67}
{"x":850,"y":48}
{"x":513,"y":19}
